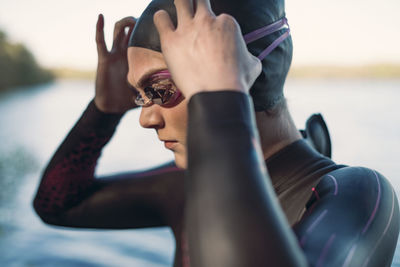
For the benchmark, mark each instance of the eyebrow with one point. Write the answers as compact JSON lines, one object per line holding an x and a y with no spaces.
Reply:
{"x":145,"y":77}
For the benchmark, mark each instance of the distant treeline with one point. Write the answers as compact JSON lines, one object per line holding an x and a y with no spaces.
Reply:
{"x":18,"y":66}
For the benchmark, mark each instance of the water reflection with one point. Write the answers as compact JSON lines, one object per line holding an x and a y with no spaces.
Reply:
{"x":15,"y":164}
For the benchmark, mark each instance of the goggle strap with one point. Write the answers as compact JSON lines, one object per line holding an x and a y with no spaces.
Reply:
{"x":267,"y":30}
{"x":272,"y":46}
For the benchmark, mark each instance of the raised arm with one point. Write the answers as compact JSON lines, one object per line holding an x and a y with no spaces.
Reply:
{"x":70,"y":195}
{"x":232,"y":215}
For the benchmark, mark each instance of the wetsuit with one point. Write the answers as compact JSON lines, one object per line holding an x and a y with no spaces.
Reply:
{"x":351,"y":218}
{"x":330,"y":215}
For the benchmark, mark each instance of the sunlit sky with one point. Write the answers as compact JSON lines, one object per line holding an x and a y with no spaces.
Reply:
{"x":340,"y":32}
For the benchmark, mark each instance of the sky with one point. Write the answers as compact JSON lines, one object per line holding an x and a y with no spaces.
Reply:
{"x":324,"y":32}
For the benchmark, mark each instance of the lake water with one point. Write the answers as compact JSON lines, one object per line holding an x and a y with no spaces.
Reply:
{"x":362,"y":117}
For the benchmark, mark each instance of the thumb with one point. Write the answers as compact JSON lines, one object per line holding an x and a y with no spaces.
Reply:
{"x":163,"y":24}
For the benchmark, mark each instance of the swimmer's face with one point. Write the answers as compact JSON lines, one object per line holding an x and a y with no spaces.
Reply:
{"x":169,"y":122}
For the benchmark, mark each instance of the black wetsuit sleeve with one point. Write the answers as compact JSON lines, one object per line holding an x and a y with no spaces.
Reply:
{"x":352,"y":219}
{"x":69,"y":176}
{"x":233,"y":216}
{"x":70,"y":195}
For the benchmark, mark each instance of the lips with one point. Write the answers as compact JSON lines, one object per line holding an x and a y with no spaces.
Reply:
{"x":170,"y":144}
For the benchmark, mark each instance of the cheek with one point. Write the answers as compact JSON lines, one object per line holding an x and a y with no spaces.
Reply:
{"x":177,"y":117}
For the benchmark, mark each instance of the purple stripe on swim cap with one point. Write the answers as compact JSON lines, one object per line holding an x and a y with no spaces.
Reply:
{"x":264,"y":31}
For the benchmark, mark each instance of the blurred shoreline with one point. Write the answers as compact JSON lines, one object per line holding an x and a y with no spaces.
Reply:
{"x":371,"y":71}
{"x":71,"y":73}
{"x":18,"y":66}
{"x":374,"y":71}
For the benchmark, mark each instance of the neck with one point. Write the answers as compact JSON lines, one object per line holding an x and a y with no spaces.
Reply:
{"x":276,"y":131}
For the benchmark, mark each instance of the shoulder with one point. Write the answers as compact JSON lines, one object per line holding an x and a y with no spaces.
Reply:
{"x":349,"y":178}
{"x":352,"y":213}
{"x":361,"y":186}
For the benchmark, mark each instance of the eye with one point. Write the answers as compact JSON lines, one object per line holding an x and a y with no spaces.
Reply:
{"x":155,"y":94}
{"x":162,"y":92}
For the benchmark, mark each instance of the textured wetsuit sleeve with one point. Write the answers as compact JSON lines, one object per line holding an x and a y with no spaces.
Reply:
{"x":233,"y":216}
{"x":69,"y":176}
{"x":69,"y":194}
{"x":352,"y":219}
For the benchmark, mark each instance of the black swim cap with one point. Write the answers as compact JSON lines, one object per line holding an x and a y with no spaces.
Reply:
{"x":267,"y":91}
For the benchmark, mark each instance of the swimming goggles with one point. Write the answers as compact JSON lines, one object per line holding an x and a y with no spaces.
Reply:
{"x":162,"y":91}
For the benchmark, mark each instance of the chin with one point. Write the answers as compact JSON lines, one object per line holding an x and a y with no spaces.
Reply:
{"x":180,"y":161}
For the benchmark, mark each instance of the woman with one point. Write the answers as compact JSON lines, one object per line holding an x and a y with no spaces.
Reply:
{"x":224,"y":206}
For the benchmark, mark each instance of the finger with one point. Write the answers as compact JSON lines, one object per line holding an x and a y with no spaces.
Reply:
{"x":184,"y":10}
{"x":101,"y":44}
{"x":163,"y":24}
{"x":121,"y":25}
{"x":203,"y":7}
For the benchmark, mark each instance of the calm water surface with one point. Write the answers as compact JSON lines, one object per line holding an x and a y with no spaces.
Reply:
{"x":362,"y":117}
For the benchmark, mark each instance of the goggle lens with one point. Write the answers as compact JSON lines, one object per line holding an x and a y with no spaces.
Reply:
{"x":161,"y":91}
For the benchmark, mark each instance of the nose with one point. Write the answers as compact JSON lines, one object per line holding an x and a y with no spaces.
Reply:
{"x":151,"y":117}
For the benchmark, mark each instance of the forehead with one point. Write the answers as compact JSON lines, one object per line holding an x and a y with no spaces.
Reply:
{"x":143,"y":61}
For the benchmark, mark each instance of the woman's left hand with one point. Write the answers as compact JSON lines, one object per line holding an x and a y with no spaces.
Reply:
{"x":205,"y":52}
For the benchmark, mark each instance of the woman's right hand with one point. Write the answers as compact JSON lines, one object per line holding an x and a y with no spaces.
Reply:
{"x":112,"y":92}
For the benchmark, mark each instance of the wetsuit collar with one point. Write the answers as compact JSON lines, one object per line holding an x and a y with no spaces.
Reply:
{"x":293,"y":162}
